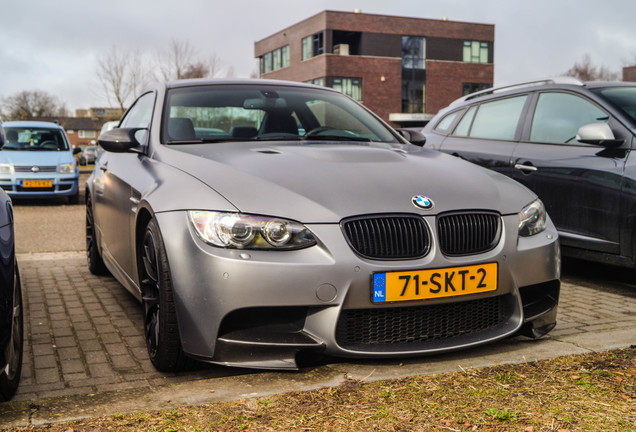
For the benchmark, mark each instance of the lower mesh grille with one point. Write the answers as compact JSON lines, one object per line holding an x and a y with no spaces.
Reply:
{"x":373,"y":329}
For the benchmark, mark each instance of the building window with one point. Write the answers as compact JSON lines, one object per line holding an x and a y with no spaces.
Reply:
{"x":87,"y":134}
{"x":413,"y":96}
{"x":318,"y":44}
{"x":267,"y":62}
{"x":306,"y":48}
{"x":352,"y":87}
{"x":413,"y":52}
{"x":276,"y":59}
{"x":475,"y":52}
{"x":312,"y":46}
{"x":284,"y":56}
{"x":468,"y":88}
{"x":317,"y":81}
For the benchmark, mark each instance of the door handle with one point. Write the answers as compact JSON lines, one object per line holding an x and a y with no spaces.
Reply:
{"x":526,"y":168}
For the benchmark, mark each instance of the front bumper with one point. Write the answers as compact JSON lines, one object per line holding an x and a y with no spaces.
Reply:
{"x":60,"y":185}
{"x":260,"y":308}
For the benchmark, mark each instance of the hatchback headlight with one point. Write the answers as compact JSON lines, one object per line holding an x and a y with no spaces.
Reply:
{"x":532,"y":219}
{"x":241,"y":231}
{"x":6,"y":168}
{"x":67,"y":168}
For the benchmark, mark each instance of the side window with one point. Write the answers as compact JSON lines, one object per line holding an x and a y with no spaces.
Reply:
{"x":559,"y":116}
{"x":140,"y":113}
{"x":444,"y":124}
{"x":463,"y":127}
{"x":498,"y":119}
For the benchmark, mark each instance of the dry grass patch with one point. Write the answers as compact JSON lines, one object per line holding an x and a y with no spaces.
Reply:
{"x":591,"y":392}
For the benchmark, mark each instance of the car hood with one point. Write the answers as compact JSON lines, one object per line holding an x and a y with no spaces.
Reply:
{"x":326,"y":182}
{"x":30,"y":158}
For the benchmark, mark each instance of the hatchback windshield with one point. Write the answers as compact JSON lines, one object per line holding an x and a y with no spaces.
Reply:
{"x":624,"y":98}
{"x":34,"y":139}
{"x":235,"y":113}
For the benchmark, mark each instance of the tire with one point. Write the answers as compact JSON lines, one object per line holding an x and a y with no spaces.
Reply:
{"x":93,"y":257}
{"x":161,"y":329}
{"x":10,"y":376}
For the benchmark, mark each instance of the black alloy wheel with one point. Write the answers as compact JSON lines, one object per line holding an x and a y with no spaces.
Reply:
{"x":160,"y":319}
{"x":93,"y":257}
{"x":10,"y":376}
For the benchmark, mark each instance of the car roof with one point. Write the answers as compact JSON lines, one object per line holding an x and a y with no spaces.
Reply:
{"x":242,"y":81}
{"x":31,"y":124}
{"x":562,"y":83}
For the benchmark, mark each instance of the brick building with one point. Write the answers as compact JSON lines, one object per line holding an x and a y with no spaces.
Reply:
{"x":404,"y":69}
{"x":629,"y":74}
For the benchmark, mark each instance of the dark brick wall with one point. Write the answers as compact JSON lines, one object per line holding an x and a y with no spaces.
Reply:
{"x":444,"y":81}
{"x":629,"y":74}
{"x":381,"y":45}
{"x":381,"y":97}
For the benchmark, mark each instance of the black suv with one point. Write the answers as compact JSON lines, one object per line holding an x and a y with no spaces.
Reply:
{"x":568,"y":141}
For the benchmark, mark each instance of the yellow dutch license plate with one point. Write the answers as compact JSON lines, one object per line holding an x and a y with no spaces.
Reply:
{"x":37,"y":183}
{"x":434,"y":283}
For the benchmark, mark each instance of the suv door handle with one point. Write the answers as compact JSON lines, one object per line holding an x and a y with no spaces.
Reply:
{"x":526,"y":168}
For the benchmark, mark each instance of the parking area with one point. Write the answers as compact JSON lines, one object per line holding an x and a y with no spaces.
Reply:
{"x":85,"y":352}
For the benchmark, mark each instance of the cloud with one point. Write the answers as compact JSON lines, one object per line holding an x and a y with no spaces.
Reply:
{"x":53,"y":46}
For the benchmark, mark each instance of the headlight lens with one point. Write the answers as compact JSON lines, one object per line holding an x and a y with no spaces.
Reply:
{"x":241,"y":231}
{"x":6,"y":168}
{"x":532,"y":219}
{"x":67,"y":168}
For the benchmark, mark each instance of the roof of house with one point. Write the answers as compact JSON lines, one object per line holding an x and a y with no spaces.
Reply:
{"x":75,"y":123}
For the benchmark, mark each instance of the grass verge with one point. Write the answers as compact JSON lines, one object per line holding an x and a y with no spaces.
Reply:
{"x":590,"y":392}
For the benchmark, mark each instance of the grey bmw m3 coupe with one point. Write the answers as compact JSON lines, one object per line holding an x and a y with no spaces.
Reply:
{"x":256,"y":220}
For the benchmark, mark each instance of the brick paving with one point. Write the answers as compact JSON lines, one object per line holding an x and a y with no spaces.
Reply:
{"x":84,"y":335}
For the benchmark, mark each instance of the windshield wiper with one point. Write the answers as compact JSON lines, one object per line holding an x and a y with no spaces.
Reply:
{"x":200,"y":141}
{"x":335,"y":138}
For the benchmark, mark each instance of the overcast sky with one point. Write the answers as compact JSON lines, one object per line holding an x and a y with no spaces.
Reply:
{"x":53,"y":45}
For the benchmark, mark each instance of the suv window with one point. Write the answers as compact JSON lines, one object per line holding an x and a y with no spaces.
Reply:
{"x":559,"y":116}
{"x":445,"y":123}
{"x":493,"y":120}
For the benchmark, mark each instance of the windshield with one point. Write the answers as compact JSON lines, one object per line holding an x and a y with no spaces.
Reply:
{"x":623,"y":98}
{"x":34,"y":139}
{"x":215,"y":113}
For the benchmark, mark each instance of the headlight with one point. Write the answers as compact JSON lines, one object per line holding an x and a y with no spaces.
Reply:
{"x":236,"y":230}
{"x":6,"y":168}
{"x":67,"y":168}
{"x":532,"y":219}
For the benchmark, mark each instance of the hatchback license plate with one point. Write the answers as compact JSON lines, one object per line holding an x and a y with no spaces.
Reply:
{"x":434,"y":283}
{"x":37,"y":183}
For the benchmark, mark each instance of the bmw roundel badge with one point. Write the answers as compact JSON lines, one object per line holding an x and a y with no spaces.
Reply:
{"x":422,"y":202}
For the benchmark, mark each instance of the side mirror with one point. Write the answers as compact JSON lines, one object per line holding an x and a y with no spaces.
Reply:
{"x":599,"y":134}
{"x":77,"y":150}
{"x":120,"y":140}
{"x":413,"y":136}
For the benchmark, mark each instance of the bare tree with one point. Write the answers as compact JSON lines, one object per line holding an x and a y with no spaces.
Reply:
{"x":195,"y":70}
{"x":32,"y":104}
{"x":174,"y":63}
{"x":121,"y":75}
{"x":182,"y":62}
{"x":124,"y":74}
{"x":585,"y":70}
